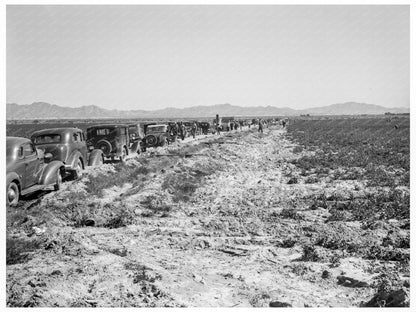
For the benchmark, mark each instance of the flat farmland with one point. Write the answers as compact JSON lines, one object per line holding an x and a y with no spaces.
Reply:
{"x":313,"y":215}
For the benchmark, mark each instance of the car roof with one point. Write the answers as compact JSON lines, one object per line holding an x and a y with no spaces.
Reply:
{"x":108,"y":126}
{"x":56,"y":131}
{"x":16,"y":140}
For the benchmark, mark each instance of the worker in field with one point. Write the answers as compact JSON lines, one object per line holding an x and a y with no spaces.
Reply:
{"x":218,"y":128}
{"x":236,"y":126}
{"x":260,"y":125}
{"x":284,"y":123}
{"x":194,"y":129}
{"x":176,"y":128}
{"x":182,"y":130}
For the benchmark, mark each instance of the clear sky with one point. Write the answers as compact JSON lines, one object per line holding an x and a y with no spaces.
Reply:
{"x":152,"y":57}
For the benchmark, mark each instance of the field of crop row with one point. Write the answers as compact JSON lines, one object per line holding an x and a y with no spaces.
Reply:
{"x":372,"y":157}
{"x":374,"y":151}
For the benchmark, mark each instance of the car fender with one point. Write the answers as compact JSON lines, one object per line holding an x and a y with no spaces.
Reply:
{"x":162,"y":138}
{"x":95,"y":156}
{"x":48,"y":174}
{"x":72,"y":159}
{"x":135,"y":147}
{"x":12,"y":176}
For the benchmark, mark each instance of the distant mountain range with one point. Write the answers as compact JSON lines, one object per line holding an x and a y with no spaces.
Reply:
{"x":41,"y":110}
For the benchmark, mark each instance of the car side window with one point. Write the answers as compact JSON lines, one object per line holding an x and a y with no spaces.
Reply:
{"x":27,"y":150}
{"x":76,"y":137}
{"x":122,"y":131}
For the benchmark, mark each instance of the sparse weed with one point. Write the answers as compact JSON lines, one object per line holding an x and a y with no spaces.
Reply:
{"x":288,"y":213}
{"x":297,"y":149}
{"x":124,"y":174}
{"x":155,"y":205}
{"x":300,"y":269}
{"x":309,"y":253}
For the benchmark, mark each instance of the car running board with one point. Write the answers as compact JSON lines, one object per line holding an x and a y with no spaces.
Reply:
{"x":36,"y":188}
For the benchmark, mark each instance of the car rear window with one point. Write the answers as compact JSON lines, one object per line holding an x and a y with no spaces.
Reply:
{"x":47,"y":138}
{"x":104,"y":131}
{"x":157,"y":129}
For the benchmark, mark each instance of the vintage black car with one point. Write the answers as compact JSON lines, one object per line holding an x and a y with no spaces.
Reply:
{"x":204,"y":127}
{"x":26,"y":170}
{"x":188,"y":127}
{"x":156,"y":135}
{"x":226,"y":123}
{"x":112,"y":139}
{"x":68,"y":145}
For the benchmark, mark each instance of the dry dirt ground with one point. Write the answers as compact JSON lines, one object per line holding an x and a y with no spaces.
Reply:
{"x":234,"y":236}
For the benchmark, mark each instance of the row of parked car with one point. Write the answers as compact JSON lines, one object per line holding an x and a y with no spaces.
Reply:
{"x":51,"y":155}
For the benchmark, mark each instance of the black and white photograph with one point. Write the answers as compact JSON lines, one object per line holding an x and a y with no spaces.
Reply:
{"x":196,"y":155}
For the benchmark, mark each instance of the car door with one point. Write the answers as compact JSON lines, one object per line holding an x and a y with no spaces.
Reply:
{"x":123,"y":137}
{"x":31,"y":164}
{"x":84,"y":147}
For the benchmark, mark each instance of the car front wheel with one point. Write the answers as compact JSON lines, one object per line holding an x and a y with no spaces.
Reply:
{"x":13,"y":194}
{"x":78,"y":169}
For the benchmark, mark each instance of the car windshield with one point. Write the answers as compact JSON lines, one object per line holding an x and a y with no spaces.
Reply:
{"x":47,"y":138}
{"x":156,"y":129}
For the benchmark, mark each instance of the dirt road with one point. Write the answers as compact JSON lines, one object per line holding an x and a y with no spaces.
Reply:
{"x":228,"y":244}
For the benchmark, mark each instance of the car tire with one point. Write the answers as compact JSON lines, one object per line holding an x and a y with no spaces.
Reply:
{"x":78,"y":169}
{"x":151,"y":141}
{"x":123,"y":155}
{"x":13,"y":194}
{"x":105,"y":146}
{"x":58,"y":181}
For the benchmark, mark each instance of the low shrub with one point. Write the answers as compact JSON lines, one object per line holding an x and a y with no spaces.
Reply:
{"x":287,"y":213}
{"x":297,"y":149}
{"x":19,"y":250}
{"x":309,"y":253}
{"x":385,"y":253}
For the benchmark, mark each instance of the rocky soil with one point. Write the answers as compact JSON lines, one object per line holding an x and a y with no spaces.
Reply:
{"x":224,"y":221}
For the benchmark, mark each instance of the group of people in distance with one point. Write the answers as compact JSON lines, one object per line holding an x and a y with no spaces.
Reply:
{"x":265,"y":123}
{"x":180,"y":130}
